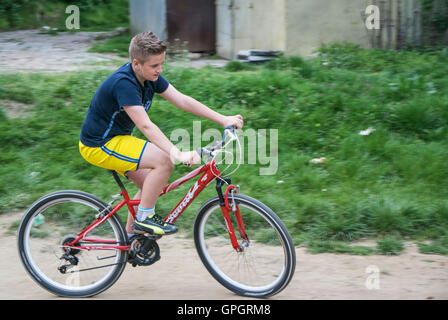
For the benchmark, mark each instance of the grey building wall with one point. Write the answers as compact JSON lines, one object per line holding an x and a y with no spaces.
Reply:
{"x":249,"y":24}
{"x":148,"y":15}
{"x":311,"y":23}
{"x":292,"y":26}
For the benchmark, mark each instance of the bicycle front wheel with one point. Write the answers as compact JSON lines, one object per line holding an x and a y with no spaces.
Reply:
{"x":267,"y":261}
{"x":55,"y":220}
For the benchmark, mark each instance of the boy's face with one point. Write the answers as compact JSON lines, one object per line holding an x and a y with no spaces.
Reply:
{"x":151,"y":69}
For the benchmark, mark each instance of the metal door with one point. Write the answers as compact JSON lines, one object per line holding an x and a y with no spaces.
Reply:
{"x":192,"y":21}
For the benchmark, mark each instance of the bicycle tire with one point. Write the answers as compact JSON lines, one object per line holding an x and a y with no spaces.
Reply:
{"x":285,"y":244}
{"x":24,"y":235}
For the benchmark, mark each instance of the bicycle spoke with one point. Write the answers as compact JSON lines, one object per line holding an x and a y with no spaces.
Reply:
{"x":55,"y":264}
{"x":263,"y":265}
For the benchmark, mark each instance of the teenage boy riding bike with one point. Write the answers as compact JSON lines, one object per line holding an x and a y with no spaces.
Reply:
{"x":121,"y":103}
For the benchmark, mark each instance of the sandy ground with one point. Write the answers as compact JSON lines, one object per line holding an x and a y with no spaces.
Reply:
{"x":411,"y":275}
{"x":33,"y":51}
{"x":180,"y":275}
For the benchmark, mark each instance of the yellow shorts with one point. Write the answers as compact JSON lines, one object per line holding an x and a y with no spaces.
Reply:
{"x":121,"y":153}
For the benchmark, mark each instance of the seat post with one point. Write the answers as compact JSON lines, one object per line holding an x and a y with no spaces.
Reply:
{"x":118,"y":180}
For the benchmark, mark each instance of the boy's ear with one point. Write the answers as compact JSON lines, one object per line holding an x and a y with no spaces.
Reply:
{"x":136,"y":63}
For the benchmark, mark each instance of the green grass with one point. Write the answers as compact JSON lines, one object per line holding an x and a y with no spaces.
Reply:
{"x":438,"y":246}
{"x":390,"y":246}
{"x":389,"y":185}
{"x":94,"y":15}
{"x":118,"y":45}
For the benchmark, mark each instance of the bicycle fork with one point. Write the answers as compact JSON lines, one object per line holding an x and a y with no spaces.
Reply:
{"x":226,"y":208}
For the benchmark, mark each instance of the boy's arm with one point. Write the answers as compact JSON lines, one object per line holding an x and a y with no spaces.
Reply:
{"x":193,"y":106}
{"x":152,"y":132}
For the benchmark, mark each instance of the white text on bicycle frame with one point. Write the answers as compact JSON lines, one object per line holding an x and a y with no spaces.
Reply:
{"x":185,"y":202}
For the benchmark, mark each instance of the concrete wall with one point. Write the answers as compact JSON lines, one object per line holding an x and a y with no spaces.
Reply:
{"x":292,"y":26}
{"x":224,"y":29}
{"x":310,"y":23}
{"x":148,"y":16}
{"x":268,"y":25}
{"x":249,"y":24}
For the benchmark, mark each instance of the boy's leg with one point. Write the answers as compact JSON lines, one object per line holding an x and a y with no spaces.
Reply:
{"x":161,"y":168}
{"x":133,"y":155}
{"x":138,"y":177}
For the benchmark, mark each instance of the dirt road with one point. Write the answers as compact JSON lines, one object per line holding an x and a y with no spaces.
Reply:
{"x":179,"y":275}
{"x":32,"y":51}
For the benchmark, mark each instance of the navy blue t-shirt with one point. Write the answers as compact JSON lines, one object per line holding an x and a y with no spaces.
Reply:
{"x":106,"y":117}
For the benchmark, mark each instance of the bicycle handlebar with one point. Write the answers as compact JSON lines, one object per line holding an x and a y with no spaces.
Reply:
{"x":229,"y":130}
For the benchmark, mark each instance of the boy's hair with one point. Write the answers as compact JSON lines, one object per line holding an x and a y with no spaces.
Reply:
{"x":144,"y":45}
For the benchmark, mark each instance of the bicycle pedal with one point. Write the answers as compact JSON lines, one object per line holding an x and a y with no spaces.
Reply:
{"x":144,"y":251}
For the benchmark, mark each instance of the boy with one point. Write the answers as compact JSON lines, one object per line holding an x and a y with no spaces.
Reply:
{"x":121,"y":103}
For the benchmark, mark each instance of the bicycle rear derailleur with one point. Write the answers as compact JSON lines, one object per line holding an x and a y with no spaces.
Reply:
{"x":144,"y":250}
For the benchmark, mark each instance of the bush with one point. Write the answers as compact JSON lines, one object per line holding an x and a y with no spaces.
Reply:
{"x":390,"y":246}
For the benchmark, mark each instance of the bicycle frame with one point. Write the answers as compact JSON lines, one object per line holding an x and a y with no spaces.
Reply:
{"x":209,"y":173}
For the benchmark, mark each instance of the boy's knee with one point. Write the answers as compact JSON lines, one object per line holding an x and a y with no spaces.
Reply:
{"x":168,"y":164}
{"x":164,"y":162}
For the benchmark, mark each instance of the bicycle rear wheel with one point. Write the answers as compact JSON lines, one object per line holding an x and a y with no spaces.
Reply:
{"x":267,"y":262}
{"x":49,"y":224}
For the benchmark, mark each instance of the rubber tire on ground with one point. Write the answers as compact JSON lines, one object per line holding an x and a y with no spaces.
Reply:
{"x":35,"y":275}
{"x":280,"y":228}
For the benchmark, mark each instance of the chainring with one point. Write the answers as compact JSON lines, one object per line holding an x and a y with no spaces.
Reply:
{"x":144,"y":251}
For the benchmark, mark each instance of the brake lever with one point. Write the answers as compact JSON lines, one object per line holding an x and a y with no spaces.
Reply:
{"x":202,"y":151}
{"x":229,"y":130}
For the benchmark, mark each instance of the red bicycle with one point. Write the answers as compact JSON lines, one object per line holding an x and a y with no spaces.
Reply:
{"x":242,"y":243}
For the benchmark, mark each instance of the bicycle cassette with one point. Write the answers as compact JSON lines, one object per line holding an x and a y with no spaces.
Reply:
{"x":144,"y":251}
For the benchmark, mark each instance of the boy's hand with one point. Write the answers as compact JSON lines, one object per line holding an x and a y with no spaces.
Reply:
{"x":236,"y":121}
{"x":188,"y":158}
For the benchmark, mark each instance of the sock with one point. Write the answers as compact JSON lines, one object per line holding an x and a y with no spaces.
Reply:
{"x":130,"y":235}
{"x":143,"y":213}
